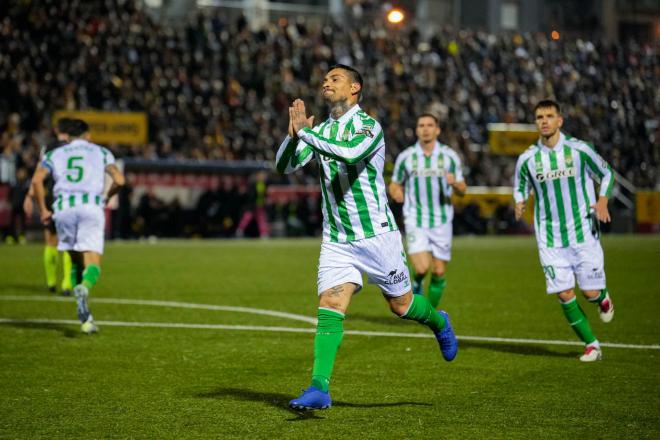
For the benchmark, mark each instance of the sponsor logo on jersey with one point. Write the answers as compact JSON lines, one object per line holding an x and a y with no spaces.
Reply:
{"x":395,"y":277}
{"x":428,"y":173}
{"x":365,"y":131}
{"x":555,"y":174}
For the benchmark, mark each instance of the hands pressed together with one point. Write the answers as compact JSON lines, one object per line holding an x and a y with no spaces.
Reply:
{"x":298,"y":117}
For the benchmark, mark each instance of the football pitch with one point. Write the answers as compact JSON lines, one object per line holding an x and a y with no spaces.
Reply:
{"x":211,"y":339}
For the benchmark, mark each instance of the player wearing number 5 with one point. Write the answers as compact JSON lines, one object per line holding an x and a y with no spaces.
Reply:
{"x":78,"y":169}
{"x":560,"y":169}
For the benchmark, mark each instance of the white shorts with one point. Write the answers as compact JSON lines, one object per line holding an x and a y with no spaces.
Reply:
{"x":381,"y":257}
{"x":562,"y":265}
{"x":80,"y":228}
{"x":435,"y":240}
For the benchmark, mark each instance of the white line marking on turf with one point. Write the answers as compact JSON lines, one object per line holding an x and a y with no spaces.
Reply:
{"x":311,"y":330}
{"x":182,"y":305}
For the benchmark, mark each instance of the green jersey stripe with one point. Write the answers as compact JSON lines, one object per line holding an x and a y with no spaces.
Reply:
{"x":341,"y":203}
{"x":429,"y":190}
{"x":577,"y":217}
{"x":441,"y":189}
{"x":563,"y":230}
{"x":289,"y":151}
{"x":360,"y":201}
{"x":417,"y":198}
{"x":372,"y":174}
{"x":328,"y":208}
{"x":546,"y":202}
{"x":523,"y":176}
{"x":592,"y":165}
{"x":400,"y":174}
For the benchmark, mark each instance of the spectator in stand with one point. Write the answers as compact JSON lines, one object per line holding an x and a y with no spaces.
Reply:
{"x":216,"y":90}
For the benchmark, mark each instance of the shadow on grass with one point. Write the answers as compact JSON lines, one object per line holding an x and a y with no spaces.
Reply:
{"x":25,"y":287}
{"x":281,"y":401}
{"x":525,"y":349}
{"x":66,"y":331}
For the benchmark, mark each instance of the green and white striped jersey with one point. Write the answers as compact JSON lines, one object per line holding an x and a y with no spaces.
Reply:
{"x":562,"y":179}
{"x":78,"y":169}
{"x":427,"y":199}
{"x":350,"y":152}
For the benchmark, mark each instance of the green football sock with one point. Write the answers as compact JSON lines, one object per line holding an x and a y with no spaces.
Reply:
{"x":420,"y":310}
{"x":91,"y":275}
{"x":66,"y":271}
{"x":329,"y":333}
{"x":76,"y":274}
{"x":436,"y":289}
{"x":599,"y":299}
{"x":50,"y":265}
{"x":578,"y":320}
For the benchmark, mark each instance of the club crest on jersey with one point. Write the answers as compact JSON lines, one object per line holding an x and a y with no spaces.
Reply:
{"x":555,"y":174}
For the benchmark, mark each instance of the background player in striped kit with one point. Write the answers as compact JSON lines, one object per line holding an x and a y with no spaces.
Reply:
{"x":358,"y":233}
{"x":560,"y":169}
{"x":51,"y":256}
{"x":79,"y":169}
{"x":430,"y":172}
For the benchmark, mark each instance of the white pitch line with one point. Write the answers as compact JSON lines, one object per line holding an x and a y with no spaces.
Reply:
{"x":311,"y":330}
{"x":181,"y":305}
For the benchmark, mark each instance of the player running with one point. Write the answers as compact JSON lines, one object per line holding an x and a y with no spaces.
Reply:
{"x":51,"y":255}
{"x":560,"y":169}
{"x":359,"y":236}
{"x":78,"y":169}
{"x":429,"y":171}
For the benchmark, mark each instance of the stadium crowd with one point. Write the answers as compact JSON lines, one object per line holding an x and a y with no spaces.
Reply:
{"x":214,"y":89}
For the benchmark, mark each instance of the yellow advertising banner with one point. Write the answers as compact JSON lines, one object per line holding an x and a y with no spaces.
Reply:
{"x":511,"y":139}
{"x":111,"y":127}
{"x":489,"y":199}
{"x":648,"y":207}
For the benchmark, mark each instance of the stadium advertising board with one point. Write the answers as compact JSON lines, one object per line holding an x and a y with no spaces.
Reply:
{"x":111,"y":127}
{"x":511,"y":139}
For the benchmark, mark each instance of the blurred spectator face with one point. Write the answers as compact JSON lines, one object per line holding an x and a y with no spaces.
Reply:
{"x":337,"y":86}
{"x":427,"y":129}
{"x":548,"y":121}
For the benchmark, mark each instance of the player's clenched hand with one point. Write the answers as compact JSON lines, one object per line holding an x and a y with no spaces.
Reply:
{"x":602,"y":213}
{"x":451,"y":178}
{"x":298,"y":115}
{"x":520,"y":209}
{"x":46,"y":216}
{"x":397,"y":193}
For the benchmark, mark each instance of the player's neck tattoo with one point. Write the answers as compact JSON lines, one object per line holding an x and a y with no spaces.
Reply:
{"x":337,"y":109}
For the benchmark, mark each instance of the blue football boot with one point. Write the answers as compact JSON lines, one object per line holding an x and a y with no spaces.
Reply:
{"x":312,"y":398}
{"x":447,"y":339}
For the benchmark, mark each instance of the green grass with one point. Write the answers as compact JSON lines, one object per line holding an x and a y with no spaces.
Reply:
{"x":129,"y":382}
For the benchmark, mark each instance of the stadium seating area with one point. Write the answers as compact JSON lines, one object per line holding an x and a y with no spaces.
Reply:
{"x":216,"y":90}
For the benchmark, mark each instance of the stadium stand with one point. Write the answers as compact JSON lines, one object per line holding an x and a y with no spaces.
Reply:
{"x":214,"y":89}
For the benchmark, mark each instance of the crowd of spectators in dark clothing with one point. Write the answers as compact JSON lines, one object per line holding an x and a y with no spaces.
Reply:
{"x":215,"y":89}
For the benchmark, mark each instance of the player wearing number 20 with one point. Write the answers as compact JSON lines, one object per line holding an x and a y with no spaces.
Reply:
{"x":560,"y":170}
{"x":78,"y":169}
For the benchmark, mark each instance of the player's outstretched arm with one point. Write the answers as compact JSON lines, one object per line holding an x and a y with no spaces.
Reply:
{"x":40,"y":192}
{"x":118,"y":180}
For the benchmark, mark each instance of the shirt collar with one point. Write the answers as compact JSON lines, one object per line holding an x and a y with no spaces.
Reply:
{"x":560,"y":142}
{"x":436,"y":148}
{"x":346,"y":116}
